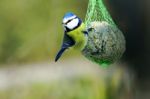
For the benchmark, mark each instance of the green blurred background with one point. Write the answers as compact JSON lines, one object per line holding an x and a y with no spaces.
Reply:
{"x":31,"y":30}
{"x":30,"y":36}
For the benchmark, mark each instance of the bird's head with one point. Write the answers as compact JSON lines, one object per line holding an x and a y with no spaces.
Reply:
{"x":71,"y":21}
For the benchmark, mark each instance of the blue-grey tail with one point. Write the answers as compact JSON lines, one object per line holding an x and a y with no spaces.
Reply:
{"x":59,"y":54}
{"x":67,"y":42}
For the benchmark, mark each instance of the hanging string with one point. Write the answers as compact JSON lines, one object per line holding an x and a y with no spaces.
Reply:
{"x":97,"y":11}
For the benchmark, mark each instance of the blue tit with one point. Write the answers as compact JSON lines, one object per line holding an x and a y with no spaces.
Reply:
{"x":75,"y":34}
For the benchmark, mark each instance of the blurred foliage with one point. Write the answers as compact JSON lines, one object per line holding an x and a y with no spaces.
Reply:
{"x":30,"y":30}
{"x":74,"y":88}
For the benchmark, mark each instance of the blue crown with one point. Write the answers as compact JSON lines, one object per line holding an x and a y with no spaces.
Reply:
{"x":69,"y":14}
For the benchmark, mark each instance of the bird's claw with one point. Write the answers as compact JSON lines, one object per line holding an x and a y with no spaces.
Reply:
{"x":91,"y":29}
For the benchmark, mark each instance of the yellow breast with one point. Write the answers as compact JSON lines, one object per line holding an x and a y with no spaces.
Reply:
{"x":79,"y":37}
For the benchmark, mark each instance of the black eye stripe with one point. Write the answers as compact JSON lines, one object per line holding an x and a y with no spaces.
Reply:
{"x":70,"y":20}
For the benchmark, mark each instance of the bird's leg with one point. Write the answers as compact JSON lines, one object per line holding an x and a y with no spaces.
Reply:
{"x":88,"y":30}
{"x":85,"y":32}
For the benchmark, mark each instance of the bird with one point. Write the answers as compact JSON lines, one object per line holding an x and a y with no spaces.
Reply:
{"x":75,"y":34}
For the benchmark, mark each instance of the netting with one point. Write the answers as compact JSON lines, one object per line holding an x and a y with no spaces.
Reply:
{"x":97,"y":11}
{"x":106,"y":43}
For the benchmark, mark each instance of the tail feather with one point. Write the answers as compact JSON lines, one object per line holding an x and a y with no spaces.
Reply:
{"x":67,"y":42}
{"x":59,"y":54}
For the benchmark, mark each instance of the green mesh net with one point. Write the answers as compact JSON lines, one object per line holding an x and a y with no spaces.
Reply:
{"x":97,"y":12}
{"x":106,"y":43}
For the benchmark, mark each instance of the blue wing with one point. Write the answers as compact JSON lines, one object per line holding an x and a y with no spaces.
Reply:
{"x":67,"y":42}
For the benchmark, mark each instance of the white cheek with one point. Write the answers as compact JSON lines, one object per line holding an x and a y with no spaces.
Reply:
{"x":72,"y":24}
